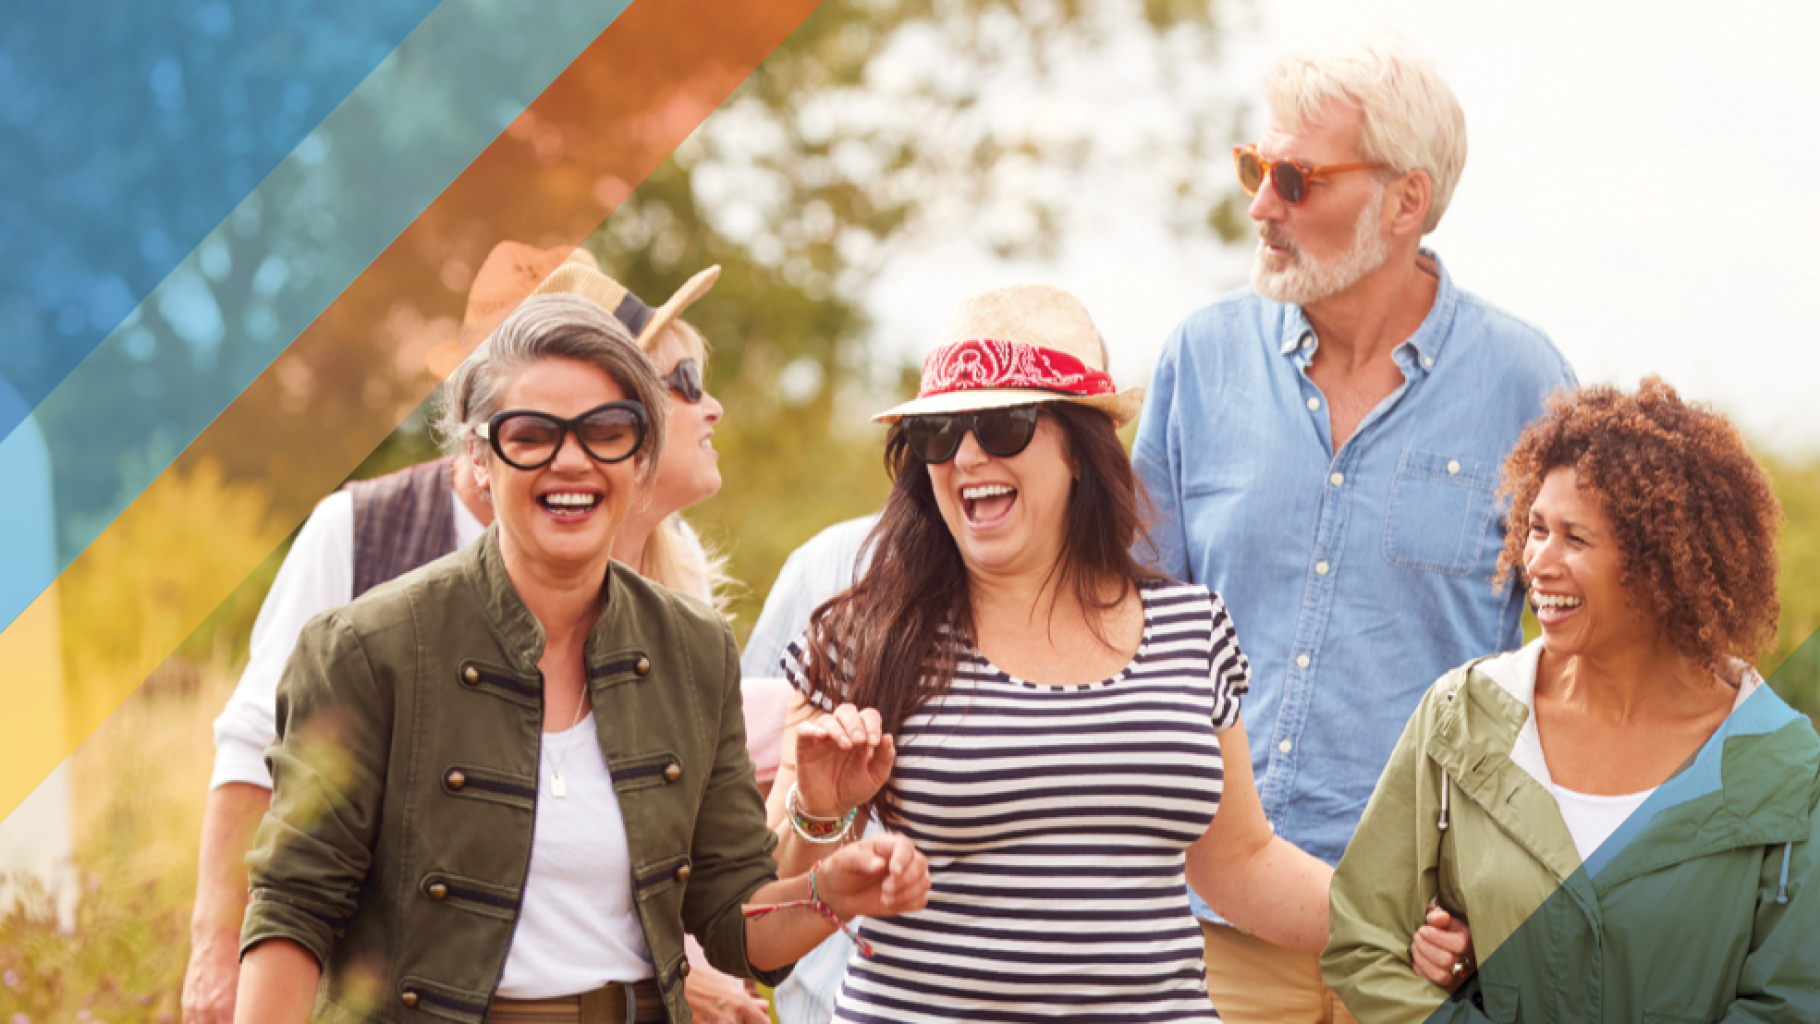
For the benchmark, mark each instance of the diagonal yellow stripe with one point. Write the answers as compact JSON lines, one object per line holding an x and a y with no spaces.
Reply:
{"x":597,"y":131}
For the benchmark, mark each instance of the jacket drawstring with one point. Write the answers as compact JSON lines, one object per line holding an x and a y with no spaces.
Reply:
{"x":1441,"y":819}
{"x":1782,"y":887}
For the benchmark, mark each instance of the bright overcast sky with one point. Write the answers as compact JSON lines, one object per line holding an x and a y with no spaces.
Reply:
{"x":1643,"y":184}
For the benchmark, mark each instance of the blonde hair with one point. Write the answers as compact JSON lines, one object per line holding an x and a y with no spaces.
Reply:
{"x":1410,"y":118}
{"x":668,"y":558}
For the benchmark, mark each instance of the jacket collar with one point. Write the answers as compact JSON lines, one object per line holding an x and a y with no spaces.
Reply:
{"x":1475,"y":743}
{"x":521,"y":637}
{"x":1750,"y":784}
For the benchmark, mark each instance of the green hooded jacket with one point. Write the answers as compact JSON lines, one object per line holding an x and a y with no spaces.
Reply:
{"x":1702,"y":906}
{"x":405,"y":787}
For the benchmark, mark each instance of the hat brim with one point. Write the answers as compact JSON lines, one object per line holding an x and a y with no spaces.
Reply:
{"x":1122,"y":407}
{"x":666,"y":314}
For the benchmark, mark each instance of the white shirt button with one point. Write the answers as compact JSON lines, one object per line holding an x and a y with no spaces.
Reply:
{"x":1337,"y":479}
{"x":1301,"y":661}
{"x":1307,"y":341}
{"x":1321,"y":567}
{"x":1428,"y":361}
{"x":1453,"y":467}
{"x":1313,"y":404}
{"x":1285,"y":746}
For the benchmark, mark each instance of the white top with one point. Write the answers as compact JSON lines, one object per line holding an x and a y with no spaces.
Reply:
{"x":1592,"y":819}
{"x":317,"y":575}
{"x":577,"y":929}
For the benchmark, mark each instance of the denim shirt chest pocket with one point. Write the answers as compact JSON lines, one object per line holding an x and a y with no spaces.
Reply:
{"x":1440,"y":513}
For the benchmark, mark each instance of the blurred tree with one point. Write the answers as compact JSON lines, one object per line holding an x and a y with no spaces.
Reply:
{"x":880,"y":126}
{"x":1794,"y":668}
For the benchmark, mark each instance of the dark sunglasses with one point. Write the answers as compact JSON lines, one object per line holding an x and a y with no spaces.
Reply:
{"x":1291,"y":180}
{"x":527,"y":439}
{"x":685,"y":380}
{"x":1001,"y":433}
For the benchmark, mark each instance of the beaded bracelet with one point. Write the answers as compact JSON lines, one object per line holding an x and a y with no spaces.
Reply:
{"x":815,"y":828}
{"x":814,"y":902}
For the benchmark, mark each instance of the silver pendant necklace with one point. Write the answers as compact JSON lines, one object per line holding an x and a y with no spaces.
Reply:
{"x":557,"y":789}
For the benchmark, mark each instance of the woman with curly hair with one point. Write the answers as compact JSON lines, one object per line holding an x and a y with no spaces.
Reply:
{"x":1621,"y":809}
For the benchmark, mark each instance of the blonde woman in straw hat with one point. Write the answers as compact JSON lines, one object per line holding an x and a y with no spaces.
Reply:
{"x":1053,"y":725}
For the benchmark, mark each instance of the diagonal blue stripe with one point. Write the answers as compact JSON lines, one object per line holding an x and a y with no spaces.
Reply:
{"x":280,"y":257}
{"x":131,"y":129}
{"x":1762,"y":712}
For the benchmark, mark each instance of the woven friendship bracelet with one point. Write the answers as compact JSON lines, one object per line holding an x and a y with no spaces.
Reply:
{"x":814,"y":902}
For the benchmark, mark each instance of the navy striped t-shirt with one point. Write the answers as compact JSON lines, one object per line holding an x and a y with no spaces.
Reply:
{"x":1055,"y":820}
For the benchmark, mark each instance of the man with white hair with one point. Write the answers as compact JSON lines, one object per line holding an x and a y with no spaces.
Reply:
{"x":1323,"y":449}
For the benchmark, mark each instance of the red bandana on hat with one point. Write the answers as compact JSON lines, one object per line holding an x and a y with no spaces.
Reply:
{"x":978,"y":365}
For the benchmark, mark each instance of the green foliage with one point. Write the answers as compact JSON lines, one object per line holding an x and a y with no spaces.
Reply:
{"x":140,"y":781}
{"x":1794,"y":668}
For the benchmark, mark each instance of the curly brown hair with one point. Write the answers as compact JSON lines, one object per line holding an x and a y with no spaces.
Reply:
{"x":1695,"y":517}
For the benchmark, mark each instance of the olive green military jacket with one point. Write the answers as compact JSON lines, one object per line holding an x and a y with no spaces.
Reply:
{"x":405,"y":787}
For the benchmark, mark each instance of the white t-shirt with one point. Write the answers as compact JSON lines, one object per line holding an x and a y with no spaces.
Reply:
{"x":577,"y":929}
{"x":1592,"y":819}
{"x":317,"y":575}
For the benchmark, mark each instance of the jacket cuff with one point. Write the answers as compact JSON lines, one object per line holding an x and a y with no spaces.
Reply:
{"x":724,"y":940}
{"x":272,"y":917}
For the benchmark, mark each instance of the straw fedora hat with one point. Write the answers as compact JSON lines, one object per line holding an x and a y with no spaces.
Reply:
{"x":1019,"y":345}
{"x":514,"y":271}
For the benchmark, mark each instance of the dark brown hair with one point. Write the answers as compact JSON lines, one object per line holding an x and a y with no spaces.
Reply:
{"x":1693,"y":512}
{"x":886,"y":631}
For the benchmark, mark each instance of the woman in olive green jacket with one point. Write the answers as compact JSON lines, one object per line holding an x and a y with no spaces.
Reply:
{"x":507,"y":783}
{"x":1621,"y":810}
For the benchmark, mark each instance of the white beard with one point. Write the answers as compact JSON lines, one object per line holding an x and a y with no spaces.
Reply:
{"x":1306,"y":280}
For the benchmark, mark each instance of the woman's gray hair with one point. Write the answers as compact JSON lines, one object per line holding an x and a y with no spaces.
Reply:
{"x":554,"y":326}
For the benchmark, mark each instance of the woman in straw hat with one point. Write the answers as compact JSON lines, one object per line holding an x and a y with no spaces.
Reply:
{"x":1052,"y":724}
{"x":507,"y":784}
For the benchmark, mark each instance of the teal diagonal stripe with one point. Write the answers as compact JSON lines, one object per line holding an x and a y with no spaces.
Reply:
{"x":131,"y":129}
{"x":279,"y":258}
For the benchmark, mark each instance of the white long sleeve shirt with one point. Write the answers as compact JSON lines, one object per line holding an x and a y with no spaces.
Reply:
{"x":317,"y":575}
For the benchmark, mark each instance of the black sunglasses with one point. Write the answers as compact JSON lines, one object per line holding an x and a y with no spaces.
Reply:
{"x":685,"y":380}
{"x":527,"y":439}
{"x":1001,"y":433}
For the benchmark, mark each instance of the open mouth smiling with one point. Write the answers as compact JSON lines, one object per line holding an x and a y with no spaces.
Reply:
{"x":987,"y":504}
{"x":570,"y":504}
{"x":1554,"y":607}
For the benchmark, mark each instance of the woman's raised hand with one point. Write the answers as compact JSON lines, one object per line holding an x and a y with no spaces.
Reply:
{"x":1442,"y":950}
{"x":878,"y":876}
{"x":842,"y":760}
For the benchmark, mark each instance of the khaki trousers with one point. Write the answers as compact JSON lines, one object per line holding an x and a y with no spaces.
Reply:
{"x":1253,"y":982}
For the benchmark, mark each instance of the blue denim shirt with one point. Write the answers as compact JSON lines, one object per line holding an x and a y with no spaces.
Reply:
{"x":1355,"y":578}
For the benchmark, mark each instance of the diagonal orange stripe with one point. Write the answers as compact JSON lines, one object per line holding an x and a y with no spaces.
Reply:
{"x":549,"y":179}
